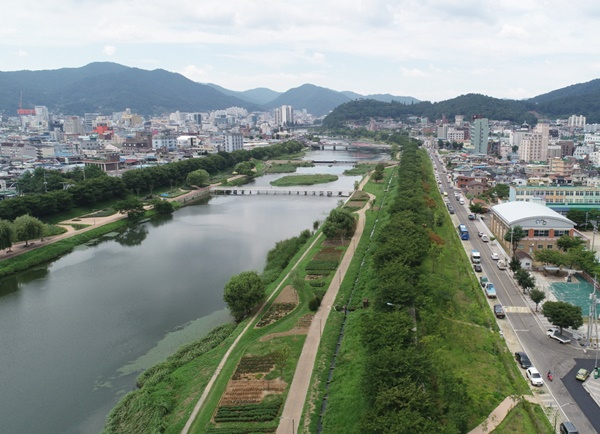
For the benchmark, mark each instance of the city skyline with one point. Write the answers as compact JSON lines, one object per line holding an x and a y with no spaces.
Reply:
{"x":425,"y":49}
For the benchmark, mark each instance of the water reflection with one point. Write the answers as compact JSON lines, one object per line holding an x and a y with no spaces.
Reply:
{"x":133,"y":235}
{"x":14,"y":282}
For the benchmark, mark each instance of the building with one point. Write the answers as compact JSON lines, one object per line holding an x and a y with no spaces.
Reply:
{"x":284,"y":115}
{"x":542,"y":225}
{"x":73,"y":125}
{"x":563,"y":167}
{"x":559,"y":198}
{"x":534,"y":145}
{"x":480,"y":132}
{"x":233,"y":142}
{"x":577,"y":121}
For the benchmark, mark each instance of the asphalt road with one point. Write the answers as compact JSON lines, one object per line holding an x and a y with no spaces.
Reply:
{"x":529,"y":329}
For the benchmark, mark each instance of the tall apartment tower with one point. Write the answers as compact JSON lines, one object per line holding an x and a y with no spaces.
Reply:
{"x":577,"y":121}
{"x":73,"y":125}
{"x":284,"y":115}
{"x":480,"y":134}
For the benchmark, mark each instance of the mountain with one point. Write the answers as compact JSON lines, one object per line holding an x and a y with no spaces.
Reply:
{"x":106,"y":87}
{"x":467,"y":105}
{"x":258,"y":96}
{"x":383,"y":97}
{"x":315,"y":99}
{"x":577,"y":99}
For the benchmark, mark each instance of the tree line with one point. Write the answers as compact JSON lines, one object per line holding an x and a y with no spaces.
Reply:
{"x":46,"y":193}
{"x":402,"y":382}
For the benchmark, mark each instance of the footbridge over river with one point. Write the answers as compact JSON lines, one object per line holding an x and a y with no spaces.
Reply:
{"x":283,"y":191}
{"x":347,"y":145}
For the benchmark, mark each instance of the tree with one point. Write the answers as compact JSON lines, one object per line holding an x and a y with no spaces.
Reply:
{"x":563,"y":314}
{"x":163,"y":206}
{"x":514,"y":235}
{"x":243,"y":293}
{"x":28,"y":228}
{"x":339,"y":223}
{"x":198,"y":178}
{"x":7,"y":234}
{"x":477,"y":208}
{"x":525,"y":280}
{"x":132,"y":206}
{"x":579,"y":217}
{"x":537,"y":296}
{"x":244,"y":168}
{"x":566,"y":242}
{"x":548,"y":256}
{"x":515,"y":264}
{"x":378,"y":173}
{"x":394,"y":151}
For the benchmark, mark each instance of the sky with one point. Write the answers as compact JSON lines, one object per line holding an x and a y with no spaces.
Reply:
{"x":428,"y":49}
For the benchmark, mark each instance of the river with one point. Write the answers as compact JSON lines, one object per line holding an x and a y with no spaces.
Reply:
{"x":77,"y":331}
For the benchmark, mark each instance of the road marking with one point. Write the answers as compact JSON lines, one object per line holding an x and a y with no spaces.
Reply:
{"x":517,"y":309}
{"x":521,"y":330}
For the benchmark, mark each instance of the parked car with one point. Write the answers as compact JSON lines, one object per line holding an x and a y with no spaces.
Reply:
{"x":501,"y":264}
{"x":479,"y":234}
{"x":490,"y":290}
{"x":495,"y":256}
{"x":582,"y":374}
{"x":478,"y":268}
{"x":567,"y":427}
{"x":499,"y":311}
{"x":484,"y":238}
{"x":522,"y":359}
{"x":534,"y":376}
{"x":471,"y":216}
{"x":483,"y":280}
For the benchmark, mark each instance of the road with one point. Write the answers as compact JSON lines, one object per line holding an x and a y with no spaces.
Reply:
{"x":525,"y":330}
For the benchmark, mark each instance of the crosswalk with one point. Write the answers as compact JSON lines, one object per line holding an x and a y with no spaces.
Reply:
{"x":517,"y":309}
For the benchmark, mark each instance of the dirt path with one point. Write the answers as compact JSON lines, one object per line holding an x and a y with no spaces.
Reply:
{"x":292,"y":410}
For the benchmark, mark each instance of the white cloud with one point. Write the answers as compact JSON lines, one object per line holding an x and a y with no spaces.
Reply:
{"x":22,"y":53}
{"x":200,"y":74}
{"x":109,"y":50}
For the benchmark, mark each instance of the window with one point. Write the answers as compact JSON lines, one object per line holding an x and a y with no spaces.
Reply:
{"x":549,"y":246}
{"x":540,"y":246}
{"x":541,"y":233}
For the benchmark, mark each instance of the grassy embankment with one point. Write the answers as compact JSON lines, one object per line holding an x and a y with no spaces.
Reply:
{"x":467,"y":340}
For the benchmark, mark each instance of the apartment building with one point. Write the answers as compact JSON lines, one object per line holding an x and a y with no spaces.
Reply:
{"x":558,"y":198}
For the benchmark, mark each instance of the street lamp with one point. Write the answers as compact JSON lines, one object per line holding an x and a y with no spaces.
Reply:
{"x":293,"y":425}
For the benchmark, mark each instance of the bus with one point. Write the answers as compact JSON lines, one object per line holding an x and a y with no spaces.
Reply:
{"x":463,"y":232}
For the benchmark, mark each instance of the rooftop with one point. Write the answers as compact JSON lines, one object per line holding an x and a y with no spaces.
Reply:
{"x":513,"y":212}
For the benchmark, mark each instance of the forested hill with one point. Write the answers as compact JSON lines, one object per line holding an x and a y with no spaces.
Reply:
{"x":578,"y":99}
{"x":467,"y":105}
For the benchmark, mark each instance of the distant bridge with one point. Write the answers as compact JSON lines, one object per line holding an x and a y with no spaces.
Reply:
{"x":346,"y":145}
{"x":282,"y":191}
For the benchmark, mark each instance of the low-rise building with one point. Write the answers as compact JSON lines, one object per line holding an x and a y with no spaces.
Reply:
{"x":542,"y":225}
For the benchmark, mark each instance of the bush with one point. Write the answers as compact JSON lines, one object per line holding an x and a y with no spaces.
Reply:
{"x":314,"y":304}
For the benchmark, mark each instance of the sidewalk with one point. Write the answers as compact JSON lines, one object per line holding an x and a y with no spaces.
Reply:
{"x":499,"y":414}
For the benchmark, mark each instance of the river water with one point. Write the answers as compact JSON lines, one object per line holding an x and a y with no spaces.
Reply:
{"x":76,"y":332}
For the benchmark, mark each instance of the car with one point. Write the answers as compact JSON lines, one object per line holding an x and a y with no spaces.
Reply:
{"x":490,"y":290}
{"x":471,"y":216}
{"x":523,"y":359}
{"x":582,"y":374}
{"x":495,"y":256}
{"x":483,"y":280}
{"x":499,"y":311}
{"x":501,"y":264}
{"x":478,"y":268}
{"x":567,"y":427}
{"x":479,"y":234}
{"x":534,"y":376}
{"x":484,"y":238}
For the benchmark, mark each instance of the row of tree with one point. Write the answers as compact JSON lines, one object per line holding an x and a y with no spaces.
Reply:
{"x":24,"y":228}
{"x":50,"y":192}
{"x":402,"y":381}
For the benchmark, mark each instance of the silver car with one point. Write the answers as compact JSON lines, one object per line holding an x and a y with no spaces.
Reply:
{"x":534,"y":376}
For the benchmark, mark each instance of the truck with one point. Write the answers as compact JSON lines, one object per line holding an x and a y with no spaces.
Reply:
{"x":475,"y":256}
{"x":554,"y":333}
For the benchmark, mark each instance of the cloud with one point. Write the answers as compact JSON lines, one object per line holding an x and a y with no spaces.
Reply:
{"x":22,"y":53}
{"x":200,"y":74}
{"x":413,"y":72}
{"x":109,"y":50}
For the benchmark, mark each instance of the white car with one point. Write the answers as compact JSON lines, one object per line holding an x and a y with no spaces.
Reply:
{"x":495,"y":256}
{"x":534,"y":376}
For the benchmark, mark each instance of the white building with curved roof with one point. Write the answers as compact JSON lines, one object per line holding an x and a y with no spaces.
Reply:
{"x":542,"y":225}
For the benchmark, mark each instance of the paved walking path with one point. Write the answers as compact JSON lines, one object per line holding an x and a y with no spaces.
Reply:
{"x":292,"y":410}
{"x":498,"y":415}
